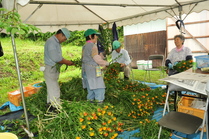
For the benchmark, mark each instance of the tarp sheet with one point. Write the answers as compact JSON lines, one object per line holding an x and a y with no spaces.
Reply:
{"x":11,"y":106}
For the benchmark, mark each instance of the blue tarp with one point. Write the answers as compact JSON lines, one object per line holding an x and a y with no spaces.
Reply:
{"x":179,"y":135}
{"x":153,"y":85}
{"x":128,"y":134}
{"x":11,"y":106}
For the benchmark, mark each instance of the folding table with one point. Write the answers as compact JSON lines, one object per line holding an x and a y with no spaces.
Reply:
{"x":182,"y":122}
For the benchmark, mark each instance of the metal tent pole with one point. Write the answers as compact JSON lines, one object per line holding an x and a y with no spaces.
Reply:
{"x":180,"y":17}
{"x":39,"y":6}
{"x":20,"y":81}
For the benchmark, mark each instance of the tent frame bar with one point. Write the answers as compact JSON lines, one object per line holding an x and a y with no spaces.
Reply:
{"x":95,"y":4}
{"x":105,"y":4}
{"x":165,"y":8}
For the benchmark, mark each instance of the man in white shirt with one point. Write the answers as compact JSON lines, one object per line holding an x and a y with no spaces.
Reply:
{"x":121,"y":56}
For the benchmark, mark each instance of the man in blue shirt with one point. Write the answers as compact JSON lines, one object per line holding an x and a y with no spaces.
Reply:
{"x":53,"y":56}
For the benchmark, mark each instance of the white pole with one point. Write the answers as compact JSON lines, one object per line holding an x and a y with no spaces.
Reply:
{"x":20,"y":81}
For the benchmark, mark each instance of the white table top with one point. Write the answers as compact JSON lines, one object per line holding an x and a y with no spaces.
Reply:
{"x":187,"y":81}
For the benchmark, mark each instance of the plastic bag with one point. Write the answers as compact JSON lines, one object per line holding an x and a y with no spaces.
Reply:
{"x":198,"y":103}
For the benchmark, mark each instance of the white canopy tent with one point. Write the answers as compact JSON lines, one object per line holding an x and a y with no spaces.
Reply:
{"x":50,"y":15}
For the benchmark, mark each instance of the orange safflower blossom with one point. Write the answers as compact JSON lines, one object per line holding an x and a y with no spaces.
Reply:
{"x":104,"y":123}
{"x":106,"y":107}
{"x":100,"y":129}
{"x":85,"y":113}
{"x":81,"y":119}
{"x":83,"y":126}
{"x":105,"y":134}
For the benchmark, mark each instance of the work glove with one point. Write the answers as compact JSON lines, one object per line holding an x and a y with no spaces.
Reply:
{"x":170,"y":66}
{"x":175,"y":63}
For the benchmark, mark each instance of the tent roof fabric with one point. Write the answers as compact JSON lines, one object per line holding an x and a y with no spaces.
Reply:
{"x":49,"y":15}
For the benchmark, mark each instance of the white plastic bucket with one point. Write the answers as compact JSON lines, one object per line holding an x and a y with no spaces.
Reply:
{"x":140,"y":64}
{"x":147,"y":64}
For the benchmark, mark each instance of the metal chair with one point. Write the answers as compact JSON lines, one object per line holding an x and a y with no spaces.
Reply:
{"x":182,"y":122}
{"x":148,"y":69}
{"x":131,"y":68}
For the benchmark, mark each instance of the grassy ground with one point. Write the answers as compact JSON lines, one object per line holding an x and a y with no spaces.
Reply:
{"x":30,"y":58}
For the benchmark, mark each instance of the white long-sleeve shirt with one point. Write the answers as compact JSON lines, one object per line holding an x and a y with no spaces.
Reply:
{"x":124,"y":58}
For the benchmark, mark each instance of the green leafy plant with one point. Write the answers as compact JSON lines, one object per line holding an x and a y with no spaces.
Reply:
{"x":11,"y":22}
{"x":77,"y":62}
{"x":183,"y":65}
{"x":149,"y":130}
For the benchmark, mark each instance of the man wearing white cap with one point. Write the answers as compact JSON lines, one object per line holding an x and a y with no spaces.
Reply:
{"x":52,"y":56}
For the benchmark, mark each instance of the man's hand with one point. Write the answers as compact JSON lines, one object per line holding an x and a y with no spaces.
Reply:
{"x":69,"y":63}
{"x":122,"y":65}
{"x":66,"y":62}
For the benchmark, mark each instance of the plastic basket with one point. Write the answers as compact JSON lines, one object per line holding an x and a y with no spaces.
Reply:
{"x":184,"y":106}
{"x":202,"y":61}
{"x":29,"y":90}
{"x":186,"y":101}
{"x":15,"y":96}
{"x":36,"y":85}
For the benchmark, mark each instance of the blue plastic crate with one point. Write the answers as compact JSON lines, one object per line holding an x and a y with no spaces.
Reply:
{"x":202,"y":61}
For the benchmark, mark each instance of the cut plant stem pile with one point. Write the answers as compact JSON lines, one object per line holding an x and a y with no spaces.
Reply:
{"x":126,"y":104}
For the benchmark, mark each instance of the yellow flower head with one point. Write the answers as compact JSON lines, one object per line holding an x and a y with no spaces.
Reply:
{"x":106,"y":107}
{"x":81,"y":119}
{"x":114,"y":118}
{"x":109,"y":113}
{"x":91,"y":134}
{"x":83,"y":126}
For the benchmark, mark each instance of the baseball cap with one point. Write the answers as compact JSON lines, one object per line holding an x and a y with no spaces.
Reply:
{"x":90,"y":32}
{"x":116,"y":44}
{"x":66,"y":32}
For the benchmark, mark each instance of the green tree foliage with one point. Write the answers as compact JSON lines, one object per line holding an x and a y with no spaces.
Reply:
{"x":10,"y":22}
